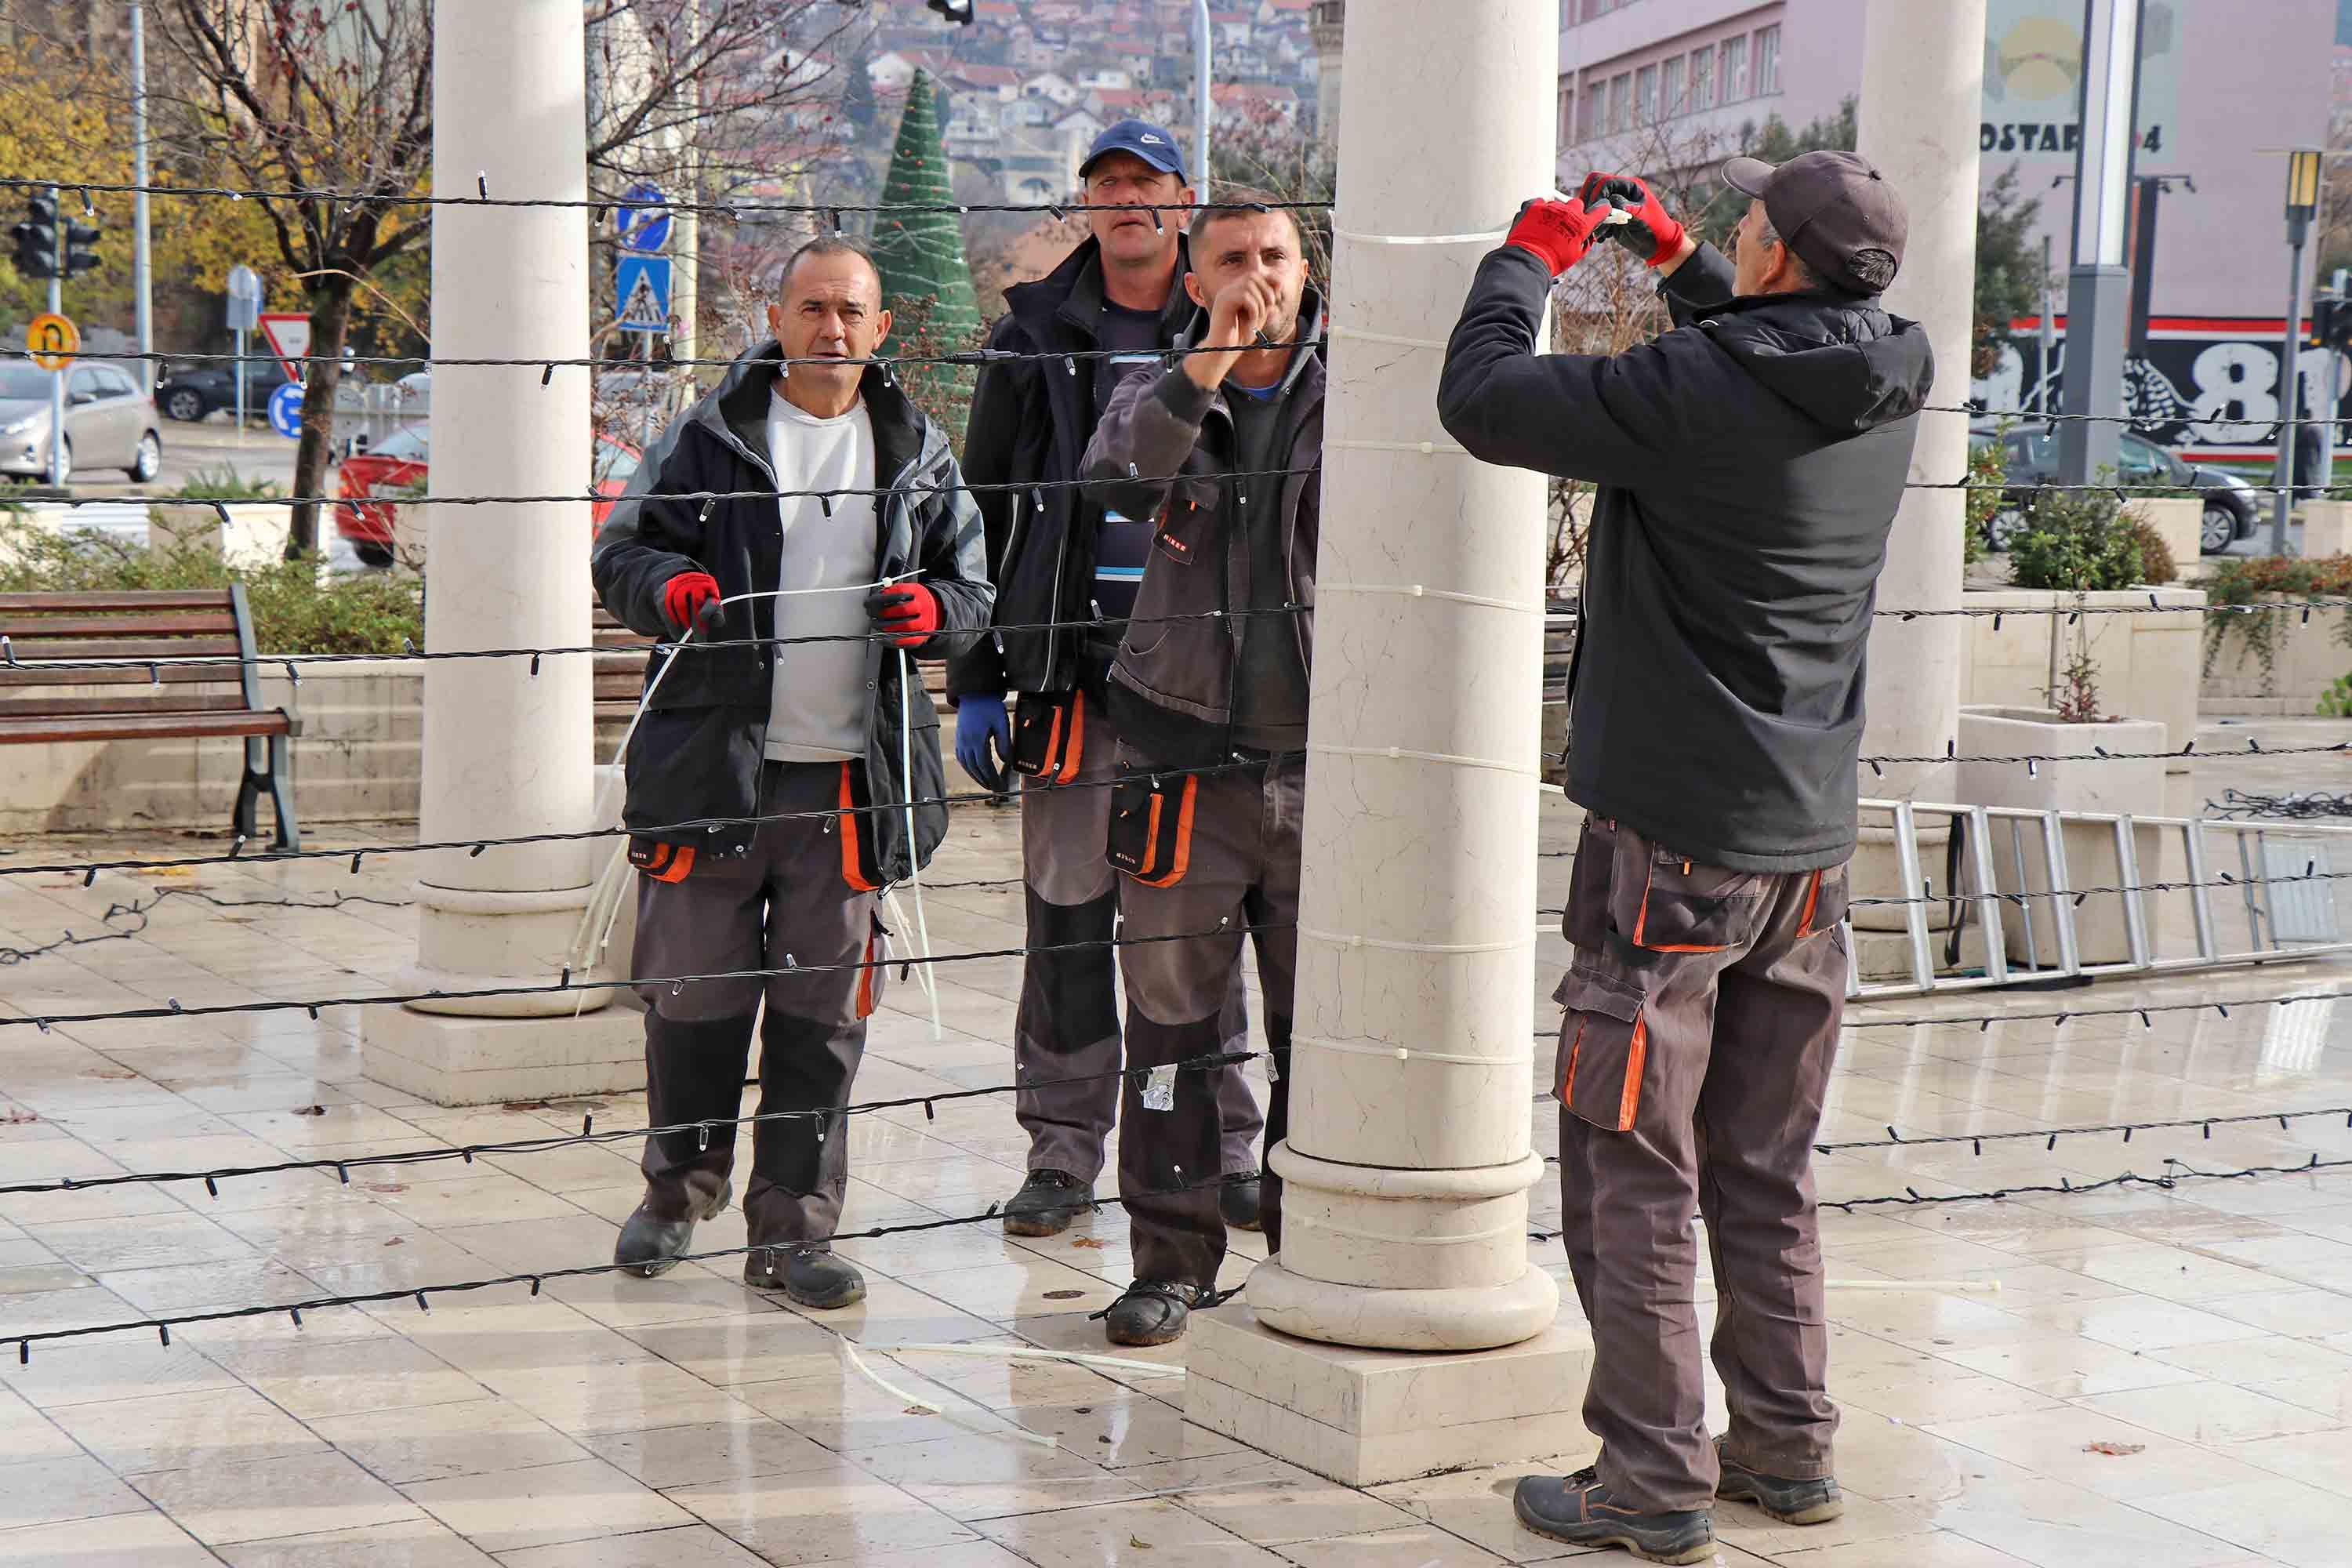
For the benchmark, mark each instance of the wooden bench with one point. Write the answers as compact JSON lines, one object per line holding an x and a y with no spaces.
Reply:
{"x":133,"y":696}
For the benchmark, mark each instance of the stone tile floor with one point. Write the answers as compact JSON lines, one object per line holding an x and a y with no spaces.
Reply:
{"x":2162,"y":1379}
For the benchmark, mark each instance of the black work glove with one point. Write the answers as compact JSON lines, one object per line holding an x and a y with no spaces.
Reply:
{"x":1650,"y":235}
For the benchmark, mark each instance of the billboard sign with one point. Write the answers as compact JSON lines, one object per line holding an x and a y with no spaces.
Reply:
{"x":2033,"y":79}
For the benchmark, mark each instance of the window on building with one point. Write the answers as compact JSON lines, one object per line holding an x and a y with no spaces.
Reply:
{"x":1588,"y":113}
{"x":1702,"y":78}
{"x":1567,"y":115}
{"x":1768,"y":60}
{"x":1732,"y":70}
{"x":1645,"y":96}
{"x":1670,"y":88}
{"x":1620,"y":102}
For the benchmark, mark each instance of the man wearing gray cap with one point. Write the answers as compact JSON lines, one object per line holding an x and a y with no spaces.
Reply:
{"x":1749,"y":465}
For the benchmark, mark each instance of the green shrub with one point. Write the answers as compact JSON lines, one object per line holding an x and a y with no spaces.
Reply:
{"x":297,"y":606}
{"x":1987,"y":472}
{"x":2081,"y":541}
{"x":223,"y":483}
{"x":2246,"y":580}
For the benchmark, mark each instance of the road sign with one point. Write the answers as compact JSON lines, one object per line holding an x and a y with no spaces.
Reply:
{"x":243,"y":299}
{"x":289,"y":339}
{"x":642,"y":221}
{"x":285,"y":410}
{"x":54,"y":340}
{"x":641,"y":289}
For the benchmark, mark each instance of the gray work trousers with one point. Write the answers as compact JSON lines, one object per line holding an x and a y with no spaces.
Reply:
{"x":1702,"y":1020}
{"x":786,"y":897}
{"x":1067,"y":1025}
{"x":1240,"y":872}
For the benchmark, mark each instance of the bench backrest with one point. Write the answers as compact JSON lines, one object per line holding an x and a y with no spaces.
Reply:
{"x":127,"y":629}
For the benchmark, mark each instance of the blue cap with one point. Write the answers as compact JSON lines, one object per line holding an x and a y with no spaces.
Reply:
{"x":1150,"y":142}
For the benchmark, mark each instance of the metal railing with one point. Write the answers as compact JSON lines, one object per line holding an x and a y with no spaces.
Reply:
{"x":2038,"y":910}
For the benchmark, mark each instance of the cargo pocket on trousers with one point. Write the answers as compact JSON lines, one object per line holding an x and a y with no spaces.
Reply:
{"x":1685,"y":907}
{"x":1825,"y":903}
{"x":1151,"y":837}
{"x":1603,"y":1044}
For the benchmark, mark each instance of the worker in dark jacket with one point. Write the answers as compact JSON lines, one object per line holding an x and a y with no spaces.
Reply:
{"x":1749,"y":463}
{"x":1058,"y":554}
{"x":1209,"y":697}
{"x":775,"y":788}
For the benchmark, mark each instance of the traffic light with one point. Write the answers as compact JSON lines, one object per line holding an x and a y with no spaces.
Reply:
{"x":37,"y":240}
{"x":958,"y":11}
{"x":79,"y":259}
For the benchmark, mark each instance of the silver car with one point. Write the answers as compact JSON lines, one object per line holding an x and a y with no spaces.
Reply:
{"x":110,"y":423}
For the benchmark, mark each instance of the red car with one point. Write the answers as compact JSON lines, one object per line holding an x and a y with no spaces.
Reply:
{"x":396,"y":466}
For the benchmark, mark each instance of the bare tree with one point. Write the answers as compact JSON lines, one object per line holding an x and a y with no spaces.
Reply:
{"x":329,"y":110}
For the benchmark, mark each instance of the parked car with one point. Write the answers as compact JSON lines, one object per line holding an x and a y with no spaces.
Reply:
{"x":110,"y":423}
{"x":2031,"y":455}
{"x":398,"y":466}
{"x":191,"y":392}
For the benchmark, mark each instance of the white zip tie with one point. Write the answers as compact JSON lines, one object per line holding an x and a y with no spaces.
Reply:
{"x":1488,"y":237}
{"x":1391,"y":338}
{"x":1418,"y":590}
{"x":1399,"y":753}
{"x":1402,"y":1053}
{"x":1023,"y":1353}
{"x":1343,"y":939}
{"x":1426,"y":449}
{"x":953,"y":1419}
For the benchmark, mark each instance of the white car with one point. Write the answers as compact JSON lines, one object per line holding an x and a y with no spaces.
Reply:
{"x":110,"y":423}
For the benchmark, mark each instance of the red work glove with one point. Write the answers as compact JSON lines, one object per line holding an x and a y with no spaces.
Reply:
{"x":685,"y":596}
{"x":1558,"y":232}
{"x":907,"y":613}
{"x":1652,"y":235}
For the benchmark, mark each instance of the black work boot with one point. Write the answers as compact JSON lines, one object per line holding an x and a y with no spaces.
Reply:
{"x":1789,"y":1502}
{"x":1151,"y":1312}
{"x":808,"y":1276}
{"x":1046,"y":1204}
{"x":650,"y":1245}
{"x":1578,"y":1510}
{"x":1238,"y":1202}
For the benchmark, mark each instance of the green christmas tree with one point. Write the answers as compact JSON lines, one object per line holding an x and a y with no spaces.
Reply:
{"x":925,"y":279}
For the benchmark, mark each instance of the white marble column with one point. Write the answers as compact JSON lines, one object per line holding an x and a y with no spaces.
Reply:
{"x":1409,"y":1160}
{"x":506,"y":749}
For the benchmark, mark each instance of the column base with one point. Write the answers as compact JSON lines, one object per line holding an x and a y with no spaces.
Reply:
{"x":1364,"y":1417}
{"x":457,"y":1060}
{"x":1455,"y":1319}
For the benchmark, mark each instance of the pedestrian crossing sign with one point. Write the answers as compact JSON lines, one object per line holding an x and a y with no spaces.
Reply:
{"x":641,"y":294}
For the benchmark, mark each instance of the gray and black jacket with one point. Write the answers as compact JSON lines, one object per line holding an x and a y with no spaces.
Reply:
{"x":1171,"y":686}
{"x":1749,"y":463}
{"x":697,"y":753}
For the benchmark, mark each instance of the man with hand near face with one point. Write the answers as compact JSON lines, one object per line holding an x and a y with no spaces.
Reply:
{"x":770,"y":783}
{"x":1225,"y":453}
{"x":1059,"y":554}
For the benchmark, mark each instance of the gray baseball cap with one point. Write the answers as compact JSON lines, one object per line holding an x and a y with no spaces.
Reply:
{"x":1834,"y":210}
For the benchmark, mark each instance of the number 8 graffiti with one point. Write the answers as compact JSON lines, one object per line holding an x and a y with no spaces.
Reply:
{"x":2237,"y":392}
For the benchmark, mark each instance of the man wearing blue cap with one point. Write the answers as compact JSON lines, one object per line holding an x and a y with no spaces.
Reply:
{"x":1057,"y":555}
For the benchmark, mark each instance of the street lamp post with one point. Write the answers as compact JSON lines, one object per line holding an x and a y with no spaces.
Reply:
{"x":2302,"y":202}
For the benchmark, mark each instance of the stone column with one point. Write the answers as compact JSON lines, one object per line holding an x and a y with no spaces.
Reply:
{"x":1409,"y":1157}
{"x":1922,"y":100}
{"x":507,"y":750}
{"x":1329,"y":18}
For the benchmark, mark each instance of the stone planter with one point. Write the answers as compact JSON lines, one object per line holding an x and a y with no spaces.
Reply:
{"x":2178,"y":520}
{"x":2326,"y":529}
{"x":2118,"y":785}
{"x":2307,"y":657}
{"x":2147,"y":663}
{"x":249,"y":533}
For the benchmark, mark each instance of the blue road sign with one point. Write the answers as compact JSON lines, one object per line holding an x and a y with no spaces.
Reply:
{"x":285,"y":410}
{"x":643,"y":219}
{"x":641,"y":294}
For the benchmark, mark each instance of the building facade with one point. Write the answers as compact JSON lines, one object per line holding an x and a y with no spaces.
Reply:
{"x":2224,"y":86}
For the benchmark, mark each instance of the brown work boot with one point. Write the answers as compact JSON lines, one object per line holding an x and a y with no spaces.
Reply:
{"x":1581,"y":1510}
{"x":1789,"y":1502}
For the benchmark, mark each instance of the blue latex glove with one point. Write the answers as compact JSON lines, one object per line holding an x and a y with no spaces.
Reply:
{"x":981,"y":721}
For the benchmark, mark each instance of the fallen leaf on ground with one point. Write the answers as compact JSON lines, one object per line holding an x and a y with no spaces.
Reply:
{"x":309,"y":1111}
{"x":1138,"y":1543}
{"x":386,"y":1187}
{"x":2119,"y":1451}
{"x":1064,"y":1295}
{"x":397,"y":1241}
{"x":1087,"y":1241}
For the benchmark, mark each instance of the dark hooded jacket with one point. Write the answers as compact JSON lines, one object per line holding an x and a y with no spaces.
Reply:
{"x":1030,"y":420}
{"x":1749,"y":463}
{"x":697,"y":753}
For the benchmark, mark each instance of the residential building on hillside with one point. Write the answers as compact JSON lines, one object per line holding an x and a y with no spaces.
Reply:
{"x":1650,"y":84}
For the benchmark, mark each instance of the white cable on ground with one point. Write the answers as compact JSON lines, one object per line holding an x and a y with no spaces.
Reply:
{"x":1024,"y":1352}
{"x":1016,"y":1434}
